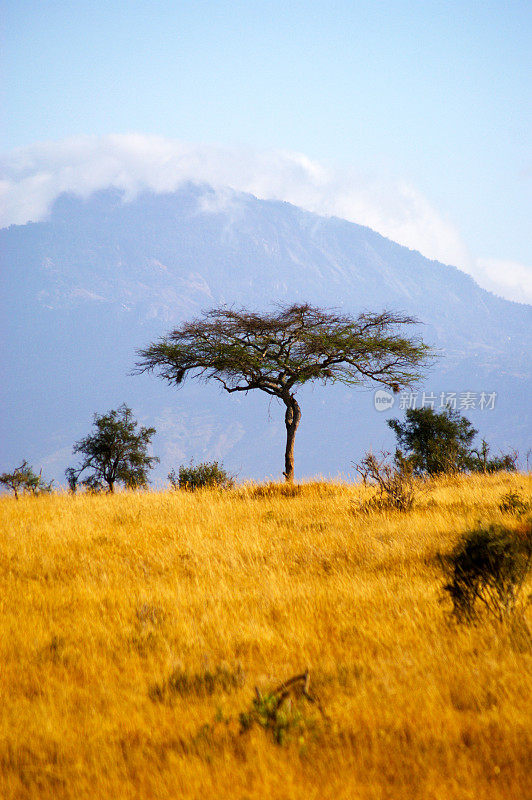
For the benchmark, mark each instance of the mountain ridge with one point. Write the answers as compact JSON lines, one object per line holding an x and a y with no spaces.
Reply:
{"x":102,"y":277}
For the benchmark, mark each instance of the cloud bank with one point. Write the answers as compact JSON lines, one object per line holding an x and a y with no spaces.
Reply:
{"x":506,"y":278}
{"x":33,"y":177}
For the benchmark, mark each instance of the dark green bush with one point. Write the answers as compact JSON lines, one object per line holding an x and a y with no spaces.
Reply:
{"x":487,"y":570}
{"x":199,"y":476}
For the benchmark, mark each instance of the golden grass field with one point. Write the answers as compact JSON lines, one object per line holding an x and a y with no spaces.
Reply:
{"x":135,"y":627}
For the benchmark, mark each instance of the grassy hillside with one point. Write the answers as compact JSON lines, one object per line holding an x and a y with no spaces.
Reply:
{"x":134,"y":629}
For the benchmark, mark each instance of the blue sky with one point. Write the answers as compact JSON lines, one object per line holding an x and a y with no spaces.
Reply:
{"x":426,"y":99}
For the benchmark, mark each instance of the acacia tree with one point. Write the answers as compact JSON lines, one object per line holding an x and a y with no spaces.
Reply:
{"x":115,"y":453}
{"x":278,"y":352}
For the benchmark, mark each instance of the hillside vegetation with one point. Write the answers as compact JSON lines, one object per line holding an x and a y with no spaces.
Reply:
{"x":134,"y":629}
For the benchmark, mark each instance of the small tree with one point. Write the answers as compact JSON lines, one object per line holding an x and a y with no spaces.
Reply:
{"x":481,"y":461}
{"x":115,"y":453}
{"x":280,"y":351}
{"x":435,"y":443}
{"x":24,"y":479}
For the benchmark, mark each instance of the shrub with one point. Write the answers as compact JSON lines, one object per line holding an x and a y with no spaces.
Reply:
{"x":24,"y":479}
{"x":283,"y":711}
{"x":201,"y":684}
{"x":513,"y":503}
{"x":281,"y":720}
{"x":272,"y":490}
{"x":487,"y":569}
{"x":394,"y":482}
{"x":481,"y":462}
{"x":199,"y":476}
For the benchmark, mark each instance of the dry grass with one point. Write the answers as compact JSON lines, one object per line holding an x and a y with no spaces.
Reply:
{"x":134,"y":628}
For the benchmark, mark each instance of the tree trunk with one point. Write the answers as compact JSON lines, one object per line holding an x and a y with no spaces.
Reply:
{"x":291,"y":420}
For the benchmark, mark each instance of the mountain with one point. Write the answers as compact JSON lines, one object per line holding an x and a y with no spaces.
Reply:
{"x":102,"y":277}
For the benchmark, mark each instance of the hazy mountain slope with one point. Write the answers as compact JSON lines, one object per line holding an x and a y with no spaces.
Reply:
{"x":102,"y":277}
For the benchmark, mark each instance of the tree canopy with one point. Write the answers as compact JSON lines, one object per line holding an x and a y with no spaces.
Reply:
{"x":279,"y":351}
{"x":435,"y":443}
{"x":116,"y":452}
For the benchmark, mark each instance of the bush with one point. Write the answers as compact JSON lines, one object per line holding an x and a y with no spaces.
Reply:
{"x":513,"y":503}
{"x":23,"y":479}
{"x":487,"y":569}
{"x":394,"y":482}
{"x":283,"y":721}
{"x":202,"y":684}
{"x":506,"y":462}
{"x":199,"y":476}
{"x":283,"y":712}
{"x":272,"y":490}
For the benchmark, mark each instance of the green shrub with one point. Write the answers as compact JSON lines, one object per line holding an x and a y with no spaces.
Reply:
{"x":283,"y":712}
{"x":283,"y":721}
{"x":487,"y":570}
{"x":24,"y":480}
{"x":199,"y":476}
{"x":513,"y":503}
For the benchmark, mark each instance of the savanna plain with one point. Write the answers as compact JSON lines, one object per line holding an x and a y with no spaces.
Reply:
{"x":142,"y":635}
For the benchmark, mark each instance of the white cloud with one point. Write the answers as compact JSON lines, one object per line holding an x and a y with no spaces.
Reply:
{"x":32,"y":178}
{"x":507,"y":278}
